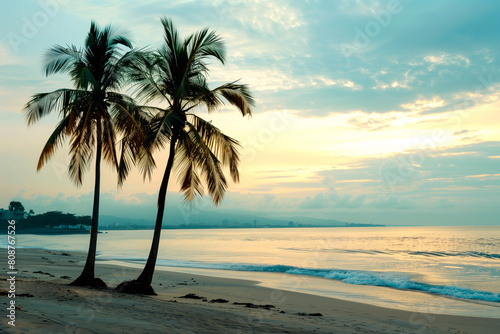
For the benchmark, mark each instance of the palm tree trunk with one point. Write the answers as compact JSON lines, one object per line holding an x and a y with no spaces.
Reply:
{"x":87,"y":277}
{"x":143,"y":283}
{"x":146,"y":276}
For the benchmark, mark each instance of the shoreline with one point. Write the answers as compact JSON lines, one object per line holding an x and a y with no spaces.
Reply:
{"x":436,"y":303}
{"x":50,"y":305}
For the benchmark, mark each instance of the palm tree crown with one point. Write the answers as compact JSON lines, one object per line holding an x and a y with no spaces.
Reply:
{"x":97,"y":72}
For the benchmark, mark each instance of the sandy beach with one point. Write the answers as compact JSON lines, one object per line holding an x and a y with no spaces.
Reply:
{"x":46,"y":304}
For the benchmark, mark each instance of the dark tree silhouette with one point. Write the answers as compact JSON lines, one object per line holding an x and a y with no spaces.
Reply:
{"x":175,"y":75}
{"x":93,"y":115}
{"x":16,"y":206}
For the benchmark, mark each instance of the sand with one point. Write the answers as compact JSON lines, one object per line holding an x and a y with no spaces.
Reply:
{"x":49,"y":305}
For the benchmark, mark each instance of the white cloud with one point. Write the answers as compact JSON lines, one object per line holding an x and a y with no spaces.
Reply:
{"x":446,"y":60}
{"x":272,"y":79}
{"x":264,"y":16}
{"x":401,"y":82}
{"x":335,"y":82}
{"x":259,"y":80}
{"x":376,"y":121}
{"x":424,"y":104}
{"x":488,"y":94}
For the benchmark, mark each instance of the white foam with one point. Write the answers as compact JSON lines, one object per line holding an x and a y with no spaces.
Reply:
{"x":386,"y":279}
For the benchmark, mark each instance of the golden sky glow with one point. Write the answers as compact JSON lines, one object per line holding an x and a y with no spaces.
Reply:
{"x":341,"y":129}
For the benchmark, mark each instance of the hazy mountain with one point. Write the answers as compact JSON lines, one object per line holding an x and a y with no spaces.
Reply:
{"x":213,"y":218}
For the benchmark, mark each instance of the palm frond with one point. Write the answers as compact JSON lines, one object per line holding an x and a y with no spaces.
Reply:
{"x":204,"y":160}
{"x":64,"y":128}
{"x":146,"y":162}
{"x":238,"y":95}
{"x":172,"y":39}
{"x":81,"y":147}
{"x":186,"y":168}
{"x":127,"y":159}
{"x":128,"y":117}
{"x":161,"y":128}
{"x":61,"y":59}
{"x":223,"y":146}
{"x":204,"y":44}
{"x":43,"y":104}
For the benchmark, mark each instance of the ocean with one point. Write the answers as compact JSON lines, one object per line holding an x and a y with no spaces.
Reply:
{"x":446,"y":270}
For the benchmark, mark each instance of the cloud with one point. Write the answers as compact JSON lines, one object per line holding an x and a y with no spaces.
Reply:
{"x":424,"y":104}
{"x":409,"y":80}
{"x":332,"y":199}
{"x":267,"y":17}
{"x":444,"y":59}
{"x":374,"y":121}
{"x":393,"y":202}
{"x":392,"y":81}
{"x":7,"y":57}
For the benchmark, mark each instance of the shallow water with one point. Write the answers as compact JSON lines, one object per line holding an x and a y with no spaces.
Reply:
{"x":454,"y":270}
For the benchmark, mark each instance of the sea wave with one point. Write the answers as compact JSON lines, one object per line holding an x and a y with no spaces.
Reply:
{"x":475,"y":254}
{"x":394,"y":280}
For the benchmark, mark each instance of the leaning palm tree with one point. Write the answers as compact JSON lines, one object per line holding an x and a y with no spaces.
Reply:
{"x":175,"y":75}
{"x":94,"y":114}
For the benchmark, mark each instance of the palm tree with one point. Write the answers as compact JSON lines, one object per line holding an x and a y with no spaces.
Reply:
{"x":175,"y":75}
{"x":93,"y":115}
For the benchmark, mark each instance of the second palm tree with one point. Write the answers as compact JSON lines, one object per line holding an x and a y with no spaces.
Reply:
{"x":175,"y":75}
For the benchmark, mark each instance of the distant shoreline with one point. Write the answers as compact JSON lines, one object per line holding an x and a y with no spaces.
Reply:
{"x":57,"y":231}
{"x":52,"y":231}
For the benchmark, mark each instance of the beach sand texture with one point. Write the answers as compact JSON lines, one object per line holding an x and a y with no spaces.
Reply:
{"x":48,"y":305}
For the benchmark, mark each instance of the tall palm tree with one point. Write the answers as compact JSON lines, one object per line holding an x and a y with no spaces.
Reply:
{"x":94,"y":114}
{"x":175,"y":75}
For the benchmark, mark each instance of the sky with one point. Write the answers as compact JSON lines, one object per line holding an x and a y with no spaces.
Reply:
{"x":367,"y":111}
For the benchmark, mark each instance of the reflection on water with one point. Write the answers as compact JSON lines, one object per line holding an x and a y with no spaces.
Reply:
{"x":397,"y":257}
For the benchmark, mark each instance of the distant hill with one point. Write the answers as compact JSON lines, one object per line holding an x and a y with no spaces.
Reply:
{"x":214,"y":219}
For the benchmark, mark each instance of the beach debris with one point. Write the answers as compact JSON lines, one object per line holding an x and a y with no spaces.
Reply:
{"x":65,"y":277}
{"x":43,"y":273}
{"x":24,"y":295}
{"x":65,"y":254}
{"x":310,"y":314}
{"x":219,"y":300}
{"x":193,"y":296}
{"x":3,"y":293}
{"x":252,"y":305}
